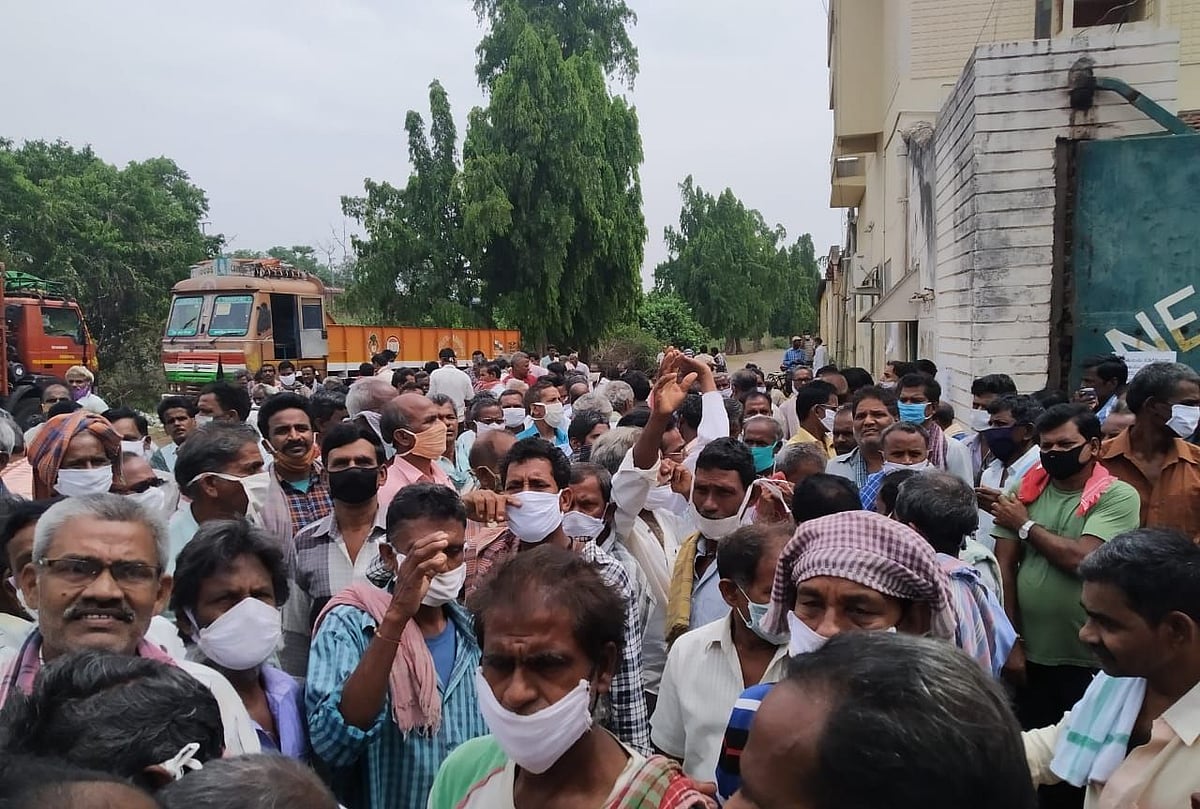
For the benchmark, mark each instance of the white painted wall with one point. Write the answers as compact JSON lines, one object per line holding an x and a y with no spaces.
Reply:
{"x":994,"y":237}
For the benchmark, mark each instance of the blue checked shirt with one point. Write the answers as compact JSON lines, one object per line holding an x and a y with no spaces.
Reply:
{"x":380,"y":768}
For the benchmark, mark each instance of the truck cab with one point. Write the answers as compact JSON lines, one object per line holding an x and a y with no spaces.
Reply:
{"x":235,"y":314}
{"x":44,"y":335}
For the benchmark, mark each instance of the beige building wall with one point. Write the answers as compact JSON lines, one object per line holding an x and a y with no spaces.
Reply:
{"x":893,"y":64}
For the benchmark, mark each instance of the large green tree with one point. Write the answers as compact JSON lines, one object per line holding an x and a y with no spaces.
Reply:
{"x":118,"y":238}
{"x":411,"y":267}
{"x":737,"y":274}
{"x":552,"y":198}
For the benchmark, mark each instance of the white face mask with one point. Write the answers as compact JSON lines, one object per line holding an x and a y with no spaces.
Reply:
{"x":514,"y":417}
{"x":578,"y":524}
{"x":827,"y":420}
{"x":484,"y":427}
{"x":761,"y":389}
{"x":802,"y":639}
{"x":243,"y":638}
{"x":288,"y":379}
{"x":979,"y":420}
{"x":892,"y":466}
{"x":202,"y":419}
{"x":535,"y":742}
{"x":445,"y":587}
{"x":727,"y":393}
{"x":537,"y":518}
{"x":12,"y":581}
{"x":1184,"y":420}
{"x":554,"y":414}
{"x":152,"y":499}
{"x":133,"y":448}
{"x":255,"y":486}
{"x":724,"y":526}
{"x":82,"y":482}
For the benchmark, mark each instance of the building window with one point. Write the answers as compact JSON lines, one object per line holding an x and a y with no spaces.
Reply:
{"x":1108,"y":12}
{"x":1043,"y":16}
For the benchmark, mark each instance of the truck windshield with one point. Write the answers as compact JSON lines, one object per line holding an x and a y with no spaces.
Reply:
{"x":231,"y":316}
{"x":185,"y":317}
{"x":61,"y":323}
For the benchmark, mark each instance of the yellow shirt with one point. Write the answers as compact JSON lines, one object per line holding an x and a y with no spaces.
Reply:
{"x":1161,"y":774}
{"x":803,"y":436}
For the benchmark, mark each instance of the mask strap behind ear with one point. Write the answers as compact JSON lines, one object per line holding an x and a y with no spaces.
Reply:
{"x":183,"y":762}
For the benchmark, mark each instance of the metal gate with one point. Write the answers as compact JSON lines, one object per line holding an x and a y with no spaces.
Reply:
{"x":1132,"y":267}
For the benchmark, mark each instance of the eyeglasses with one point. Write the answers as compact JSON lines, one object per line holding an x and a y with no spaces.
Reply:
{"x":145,"y":486}
{"x":81,"y":570}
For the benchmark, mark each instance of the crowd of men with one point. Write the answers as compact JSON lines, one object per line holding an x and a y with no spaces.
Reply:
{"x":518,"y":582}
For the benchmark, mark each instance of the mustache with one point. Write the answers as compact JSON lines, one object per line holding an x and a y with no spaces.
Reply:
{"x":80,"y":609}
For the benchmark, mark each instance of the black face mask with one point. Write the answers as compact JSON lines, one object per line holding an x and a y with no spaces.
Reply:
{"x":1001,"y":442}
{"x":1064,"y":464}
{"x":354,"y":485}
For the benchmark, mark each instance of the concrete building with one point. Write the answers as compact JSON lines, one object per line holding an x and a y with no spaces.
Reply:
{"x":892,"y":66}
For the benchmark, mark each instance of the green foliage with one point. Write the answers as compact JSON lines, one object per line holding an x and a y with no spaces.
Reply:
{"x":668,"y":318}
{"x":118,"y":238}
{"x":735,"y":272}
{"x":552,"y":200}
{"x":596,"y":27}
{"x":629,"y":345}
{"x":411,"y":268}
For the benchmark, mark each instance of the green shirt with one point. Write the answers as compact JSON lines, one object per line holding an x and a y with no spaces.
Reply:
{"x":1050,"y":612}
{"x":471,"y":763}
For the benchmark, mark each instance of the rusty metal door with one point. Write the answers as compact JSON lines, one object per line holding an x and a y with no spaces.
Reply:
{"x":1134,"y":262}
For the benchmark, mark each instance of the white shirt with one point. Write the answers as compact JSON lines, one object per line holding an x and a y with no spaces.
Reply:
{"x":820,"y":357}
{"x":701,"y":683}
{"x":454,"y":383}
{"x":240,"y":736}
{"x":180,"y":529}
{"x":994,"y":476}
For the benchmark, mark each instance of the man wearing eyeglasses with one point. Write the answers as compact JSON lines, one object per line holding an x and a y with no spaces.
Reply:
{"x":97,"y":579}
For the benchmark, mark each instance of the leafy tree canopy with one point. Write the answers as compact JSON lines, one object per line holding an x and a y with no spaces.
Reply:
{"x":552,"y":199}
{"x":119,"y":238}
{"x":736,"y":273}
{"x":668,"y":317}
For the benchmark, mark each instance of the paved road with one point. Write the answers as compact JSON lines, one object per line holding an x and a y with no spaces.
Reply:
{"x":767,"y":360}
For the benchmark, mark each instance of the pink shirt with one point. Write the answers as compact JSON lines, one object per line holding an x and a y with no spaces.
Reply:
{"x":401,"y":473}
{"x":18,"y":477}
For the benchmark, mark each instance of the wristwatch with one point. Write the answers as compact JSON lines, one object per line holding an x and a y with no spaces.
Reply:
{"x":1023,"y":532}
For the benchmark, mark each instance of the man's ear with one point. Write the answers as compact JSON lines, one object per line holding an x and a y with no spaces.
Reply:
{"x":27,"y":581}
{"x":566,"y":500}
{"x":729,"y":592}
{"x":165,"y":585}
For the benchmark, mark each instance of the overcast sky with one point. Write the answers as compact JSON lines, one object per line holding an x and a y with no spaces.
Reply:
{"x":278,"y":108}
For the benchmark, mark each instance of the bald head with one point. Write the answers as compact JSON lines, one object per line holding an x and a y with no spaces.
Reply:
{"x":370,"y":393}
{"x":487,"y":451}
{"x":405,"y":416}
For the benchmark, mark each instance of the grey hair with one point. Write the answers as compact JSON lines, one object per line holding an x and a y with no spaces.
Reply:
{"x":778,"y":427}
{"x":793,"y":456}
{"x":620,"y":394}
{"x":594,"y":403}
{"x":369,"y":393}
{"x":941,"y":507}
{"x":899,"y":701}
{"x":517,"y":355}
{"x":105,"y":507}
{"x":210,"y":448}
{"x":609,"y":450}
{"x":263,"y":781}
{"x":1158,"y":380}
{"x":440,"y":399}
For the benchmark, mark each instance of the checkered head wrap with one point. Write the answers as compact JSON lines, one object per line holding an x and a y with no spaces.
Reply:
{"x":47,"y":449}
{"x":868,"y":549}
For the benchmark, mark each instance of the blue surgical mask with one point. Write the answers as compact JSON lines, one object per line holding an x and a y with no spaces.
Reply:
{"x":754,"y":622}
{"x":764,"y":458}
{"x":913,"y":413}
